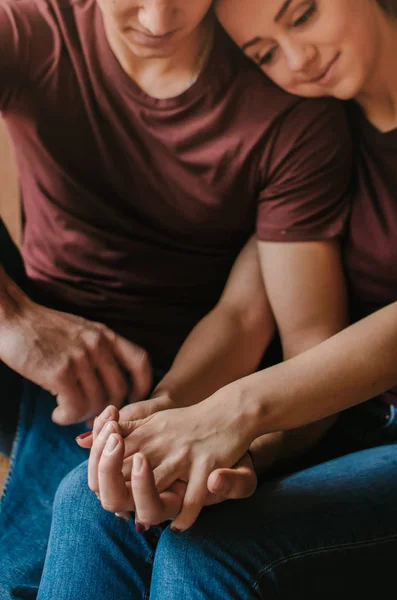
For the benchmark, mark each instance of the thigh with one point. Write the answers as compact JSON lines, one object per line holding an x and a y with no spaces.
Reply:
{"x":43,"y":454}
{"x":311,"y":534}
{"x":92,"y":554}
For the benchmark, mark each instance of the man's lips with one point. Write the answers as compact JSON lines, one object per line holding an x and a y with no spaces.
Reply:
{"x":146,"y":38}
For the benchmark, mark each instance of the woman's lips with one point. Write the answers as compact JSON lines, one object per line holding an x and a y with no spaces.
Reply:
{"x":327,"y":74}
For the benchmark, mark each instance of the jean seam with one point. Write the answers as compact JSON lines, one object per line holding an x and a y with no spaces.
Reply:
{"x":148,"y":570}
{"x":10,"y":471}
{"x":318,"y":551}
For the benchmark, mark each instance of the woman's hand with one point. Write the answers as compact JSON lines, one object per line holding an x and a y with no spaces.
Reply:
{"x":186,"y":444}
{"x":140,"y":494}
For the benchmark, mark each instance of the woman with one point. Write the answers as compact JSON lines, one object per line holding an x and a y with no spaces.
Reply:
{"x":327,"y":528}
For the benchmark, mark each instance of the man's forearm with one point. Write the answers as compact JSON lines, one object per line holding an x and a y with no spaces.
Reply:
{"x":220,"y":349}
{"x":12,"y":298}
{"x":229,"y":342}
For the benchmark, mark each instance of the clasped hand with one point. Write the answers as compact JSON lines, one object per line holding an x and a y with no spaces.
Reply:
{"x":130,"y":473}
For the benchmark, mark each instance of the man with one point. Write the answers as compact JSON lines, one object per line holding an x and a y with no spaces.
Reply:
{"x":149,"y":150}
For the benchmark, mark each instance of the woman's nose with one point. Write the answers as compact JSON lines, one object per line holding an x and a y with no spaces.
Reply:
{"x":299,"y":57}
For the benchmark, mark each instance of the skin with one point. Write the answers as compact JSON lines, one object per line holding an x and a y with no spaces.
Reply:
{"x":296,"y":48}
{"x":305,"y":316}
{"x":157,"y":42}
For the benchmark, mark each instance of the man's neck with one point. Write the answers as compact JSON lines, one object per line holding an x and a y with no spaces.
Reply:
{"x":171,"y":75}
{"x":378,"y":98}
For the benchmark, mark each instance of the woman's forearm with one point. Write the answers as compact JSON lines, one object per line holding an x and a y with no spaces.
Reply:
{"x":354,"y":365}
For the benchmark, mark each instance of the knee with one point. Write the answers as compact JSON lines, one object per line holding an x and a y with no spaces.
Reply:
{"x":73,"y":491}
{"x":195,"y":565}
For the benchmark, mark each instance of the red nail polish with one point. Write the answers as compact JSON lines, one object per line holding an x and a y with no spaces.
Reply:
{"x":84,"y":435}
{"x":175,"y":530}
{"x":139,"y":527}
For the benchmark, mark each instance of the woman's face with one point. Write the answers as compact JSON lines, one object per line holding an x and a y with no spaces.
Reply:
{"x":308,"y":47}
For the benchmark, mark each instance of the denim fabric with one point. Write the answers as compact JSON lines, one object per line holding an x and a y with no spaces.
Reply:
{"x":43,"y":455}
{"x":328,"y":530}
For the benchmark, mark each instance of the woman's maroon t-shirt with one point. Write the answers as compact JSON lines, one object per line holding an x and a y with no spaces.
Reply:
{"x":136,"y":208}
{"x":371,"y":243}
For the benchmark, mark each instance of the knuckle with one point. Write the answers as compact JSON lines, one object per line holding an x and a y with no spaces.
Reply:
{"x":118,"y":394}
{"x":112,"y":507}
{"x":94,"y":339}
{"x":64,"y":369}
{"x":79,"y":354}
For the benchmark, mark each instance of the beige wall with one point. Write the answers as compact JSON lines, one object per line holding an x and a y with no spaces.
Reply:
{"x":9,"y":191}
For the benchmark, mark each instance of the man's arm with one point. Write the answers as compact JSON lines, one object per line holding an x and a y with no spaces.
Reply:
{"x":229,"y":342}
{"x":306,"y":290}
{"x":80,"y":362}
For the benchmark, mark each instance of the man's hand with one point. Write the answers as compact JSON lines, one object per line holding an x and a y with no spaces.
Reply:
{"x":140,"y":494}
{"x":186,"y":444}
{"x":84,"y":364}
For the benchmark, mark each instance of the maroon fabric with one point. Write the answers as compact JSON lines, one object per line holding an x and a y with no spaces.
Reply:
{"x":136,"y":208}
{"x":371,"y":246}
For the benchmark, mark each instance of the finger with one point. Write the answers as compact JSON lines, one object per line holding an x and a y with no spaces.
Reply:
{"x":135,"y":361}
{"x":232,"y":484}
{"x":166,"y":474}
{"x":72,"y":404}
{"x":111,"y":374}
{"x":141,"y":410}
{"x":91,"y":383}
{"x":196,"y":493}
{"x":96,"y":454}
{"x":85,"y":440}
{"x":127,"y":468}
{"x":109,"y":414}
{"x":151,"y":508}
{"x":113,"y":492}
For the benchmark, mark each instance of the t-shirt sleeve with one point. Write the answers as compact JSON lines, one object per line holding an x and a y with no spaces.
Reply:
{"x":13,"y":52}
{"x":306,"y":189}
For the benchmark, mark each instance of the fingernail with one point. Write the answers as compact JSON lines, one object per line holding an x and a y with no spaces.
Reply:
{"x":106,"y":413}
{"x":176,"y":531}
{"x":139,"y":527}
{"x":111,"y":444}
{"x":137,"y":463}
{"x":84,"y":435}
{"x":220,"y":486}
{"x":124,"y":516}
{"x":109,"y":427}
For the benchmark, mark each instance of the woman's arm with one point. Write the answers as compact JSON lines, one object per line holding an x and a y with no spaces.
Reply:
{"x":351,"y":367}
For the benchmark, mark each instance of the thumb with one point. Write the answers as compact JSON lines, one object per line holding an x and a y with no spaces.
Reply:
{"x":141,"y":410}
{"x":127,"y":427}
{"x":233,"y":484}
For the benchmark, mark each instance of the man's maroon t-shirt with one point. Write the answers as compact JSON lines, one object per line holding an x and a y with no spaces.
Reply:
{"x":136,"y":208}
{"x":371,"y":244}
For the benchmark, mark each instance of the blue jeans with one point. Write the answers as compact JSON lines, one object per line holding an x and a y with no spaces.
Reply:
{"x":43,"y":454}
{"x":324,"y":531}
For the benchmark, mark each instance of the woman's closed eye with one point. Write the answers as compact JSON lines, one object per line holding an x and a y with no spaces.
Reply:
{"x":305,"y":16}
{"x":264,"y":59}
